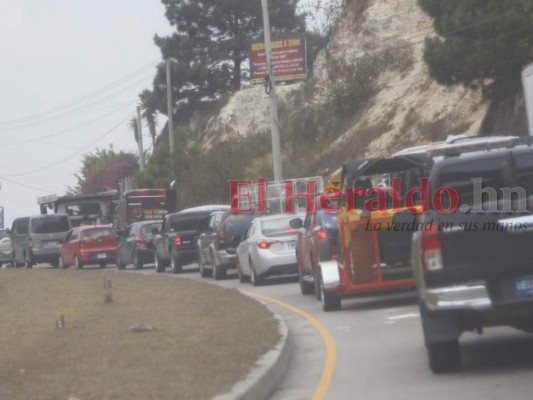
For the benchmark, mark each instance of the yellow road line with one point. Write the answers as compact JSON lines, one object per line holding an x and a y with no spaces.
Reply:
{"x":331,"y":349}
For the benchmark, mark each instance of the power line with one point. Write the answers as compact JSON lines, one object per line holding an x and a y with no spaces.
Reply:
{"x":61,"y":161}
{"x":101,"y":100}
{"x":82,"y":98}
{"x":69,"y":129}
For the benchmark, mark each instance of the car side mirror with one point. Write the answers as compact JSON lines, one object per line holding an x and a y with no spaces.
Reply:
{"x":296,"y":223}
{"x":236,"y":239}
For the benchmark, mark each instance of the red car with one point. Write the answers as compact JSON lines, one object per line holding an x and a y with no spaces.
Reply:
{"x":89,"y":245}
{"x":316,"y":242}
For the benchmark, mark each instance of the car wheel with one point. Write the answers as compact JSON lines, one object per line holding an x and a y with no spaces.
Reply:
{"x":255,"y":278}
{"x":137,"y":263}
{"x":204,"y":272}
{"x":242,"y":278}
{"x":330,"y":301}
{"x":120,"y":263}
{"x":219,"y":272}
{"x":318,"y":293}
{"x":77,"y":263}
{"x":305,"y":287}
{"x":28,"y":262}
{"x":444,"y":356}
{"x":176,"y":263}
{"x":14,"y":263}
{"x":158,"y":264}
{"x":62,"y":265}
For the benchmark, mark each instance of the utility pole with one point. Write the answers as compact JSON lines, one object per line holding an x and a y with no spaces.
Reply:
{"x":140,"y":141}
{"x":170,"y":110}
{"x":274,"y":124}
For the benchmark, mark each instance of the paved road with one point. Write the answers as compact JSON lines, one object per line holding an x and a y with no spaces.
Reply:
{"x":380,"y":352}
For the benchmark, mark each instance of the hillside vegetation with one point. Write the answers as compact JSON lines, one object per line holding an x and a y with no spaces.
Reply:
{"x":373,"y":90}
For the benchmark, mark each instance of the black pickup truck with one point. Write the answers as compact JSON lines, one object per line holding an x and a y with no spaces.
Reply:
{"x":176,"y":242}
{"x":474,"y":265}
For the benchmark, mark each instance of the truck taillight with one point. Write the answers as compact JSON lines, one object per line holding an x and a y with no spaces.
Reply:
{"x":140,"y":240}
{"x":265,"y":244}
{"x":178,"y":240}
{"x":322,"y":234}
{"x":430,"y":252}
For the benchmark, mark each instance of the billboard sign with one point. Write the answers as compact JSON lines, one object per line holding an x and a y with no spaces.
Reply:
{"x":289,"y":61}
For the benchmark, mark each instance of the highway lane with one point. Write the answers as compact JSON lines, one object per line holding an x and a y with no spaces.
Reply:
{"x":380,"y":352}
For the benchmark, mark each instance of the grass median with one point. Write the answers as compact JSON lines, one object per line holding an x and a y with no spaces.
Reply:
{"x":159,"y":338}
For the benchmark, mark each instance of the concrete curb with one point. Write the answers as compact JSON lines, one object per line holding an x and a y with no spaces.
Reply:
{"x":269,"y":370}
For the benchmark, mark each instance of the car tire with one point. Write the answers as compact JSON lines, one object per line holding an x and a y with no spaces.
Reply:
{"x":318,"y":293}
{"x":62,"y":265}
{"x":305,"y":287}
{"x":176,"y":264}
{"x":219,"y":272}
{"x":444,"y":357}
{"x":77,"y":263}
{"x":28,"y":262}
{"x":255,"y":278}
{"x":159,"y":266}
{"x":204,"y":272}
{"x":120,"y":263}
{"x":242,"y":278}
{"x":14,"y":263}
{"x":330,"y":301}
{"x":55,"y":264}
{"x":137,"y":263}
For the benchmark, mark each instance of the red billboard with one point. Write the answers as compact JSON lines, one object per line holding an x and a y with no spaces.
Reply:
{"x":288,"y":60}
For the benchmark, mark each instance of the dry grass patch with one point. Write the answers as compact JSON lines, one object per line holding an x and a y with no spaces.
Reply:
{"x":204,"y":340}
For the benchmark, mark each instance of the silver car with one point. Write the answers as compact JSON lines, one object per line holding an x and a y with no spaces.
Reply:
{"x":267,"y":248}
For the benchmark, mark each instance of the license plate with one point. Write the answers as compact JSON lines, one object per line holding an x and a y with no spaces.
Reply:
{"x":524,"y":285}
{"x":51,"y":244}
{"x":101,"y":255}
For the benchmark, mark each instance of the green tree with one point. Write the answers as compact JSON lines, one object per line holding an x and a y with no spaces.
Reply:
{"x":149,"y":113}
{"x":210,"y":43}
{"x":486,"y":42}
{"x":103,"y":170}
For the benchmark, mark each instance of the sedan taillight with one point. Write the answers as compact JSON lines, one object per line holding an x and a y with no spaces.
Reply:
{"x":178,"y":240}
{"x":265,"y":244}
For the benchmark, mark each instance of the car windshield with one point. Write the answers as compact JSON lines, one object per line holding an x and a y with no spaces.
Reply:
{"x":98,"y":233}
{"x":83,"y":209}
{"x":278,"y":226}
{"x":50,"y":224}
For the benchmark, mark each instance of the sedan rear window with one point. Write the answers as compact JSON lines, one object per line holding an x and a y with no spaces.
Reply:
{"x":99,"y":233}
{"x":279,"y":226}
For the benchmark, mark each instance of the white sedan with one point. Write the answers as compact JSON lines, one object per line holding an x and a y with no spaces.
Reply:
{"x":267,"y":248}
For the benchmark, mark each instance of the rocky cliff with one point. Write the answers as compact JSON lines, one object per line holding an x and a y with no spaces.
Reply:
{"x":403,"y":105}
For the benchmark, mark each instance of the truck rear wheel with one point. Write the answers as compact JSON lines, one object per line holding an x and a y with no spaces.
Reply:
{"x":176,"y":263}
{"x":444,"y":356}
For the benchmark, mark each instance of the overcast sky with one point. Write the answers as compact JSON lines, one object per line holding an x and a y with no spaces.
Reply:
{"x":55,"y":57}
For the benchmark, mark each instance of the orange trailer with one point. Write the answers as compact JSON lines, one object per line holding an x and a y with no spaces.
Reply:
{"x":376,"y":222}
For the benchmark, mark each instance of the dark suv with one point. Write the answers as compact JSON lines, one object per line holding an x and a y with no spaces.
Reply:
{"x":176,"y":241}
{"x":136,"y":245}
{"x":217,"y":246}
